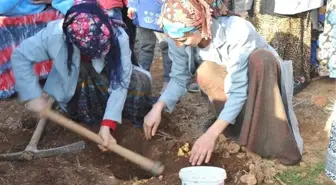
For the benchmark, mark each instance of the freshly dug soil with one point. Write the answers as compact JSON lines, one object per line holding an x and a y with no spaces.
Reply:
{"x":88,"y":165}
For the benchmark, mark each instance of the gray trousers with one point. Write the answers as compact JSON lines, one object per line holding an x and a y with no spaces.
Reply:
{"x":147,"y":40}
{"x":239,"y":6}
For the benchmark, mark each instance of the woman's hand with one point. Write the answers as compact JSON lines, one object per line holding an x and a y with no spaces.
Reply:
{"x":152,"y":120}
{"x":38,"y":104}
{"x":105,"y":134}
{"x":131,"y":13}
{"x":204,"y":146}
{"x":202,"y":149}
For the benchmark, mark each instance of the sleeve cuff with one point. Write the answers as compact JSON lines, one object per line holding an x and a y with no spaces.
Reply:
{"x":170,"y":105}
{"x":110,"y":123}
{"x":231,"y":119}
{"x":32,"y":94}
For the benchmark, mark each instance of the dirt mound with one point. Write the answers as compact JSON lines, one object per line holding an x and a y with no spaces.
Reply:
{"x":91,"y":166}
{"x":163,"y":148}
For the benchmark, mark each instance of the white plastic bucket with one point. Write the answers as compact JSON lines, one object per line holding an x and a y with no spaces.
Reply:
{"x":202,"y":175}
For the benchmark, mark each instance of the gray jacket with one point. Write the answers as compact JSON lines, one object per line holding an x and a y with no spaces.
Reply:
{"x":234,"y":39}
{"x":49,"y":44}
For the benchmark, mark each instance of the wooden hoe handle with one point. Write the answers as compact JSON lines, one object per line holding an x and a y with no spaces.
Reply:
{"x":153,"y":166}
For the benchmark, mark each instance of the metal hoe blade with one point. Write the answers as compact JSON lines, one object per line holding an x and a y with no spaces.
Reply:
{"x":30,"y":155}
{"x":31,"y":151}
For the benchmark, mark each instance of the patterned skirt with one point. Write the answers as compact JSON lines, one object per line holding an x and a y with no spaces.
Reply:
{"x":331,"y":153}
{"x":328,"y":41}
{"x":290,"y":36}
{"x":90,"y":99}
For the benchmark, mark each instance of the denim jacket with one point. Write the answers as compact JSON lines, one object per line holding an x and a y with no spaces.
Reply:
{"x":49,"y":44}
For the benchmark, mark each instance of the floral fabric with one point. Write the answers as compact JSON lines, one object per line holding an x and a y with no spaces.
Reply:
{"x":331,"y":153}
{"x":328,"y":39}
{"x":180,"y":17}
{"x":89,"y":35}
{"x":290,"y":36}
{"x":87,"y":32}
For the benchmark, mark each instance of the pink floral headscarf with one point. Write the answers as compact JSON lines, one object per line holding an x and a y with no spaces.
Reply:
{"x":87,"y":31}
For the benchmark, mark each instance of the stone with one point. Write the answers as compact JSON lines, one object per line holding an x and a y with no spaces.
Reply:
{"x":243,"y":149}
{"x":252,"y":168}
{"x":241,"y":155}
{"x":233,"y":148}
{"x":226,"y":155}
{"x":303,"y":165}
{"x":320,"y":101}
{"x":248,"y":179}
{"x":253,"y":156}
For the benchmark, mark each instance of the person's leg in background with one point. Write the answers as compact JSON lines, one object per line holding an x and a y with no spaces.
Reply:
{"x":147,"y":42}
{"x":166,"y":62}
{"x":315,"y":24}
{"x":115,"y":13}
{"x":131,"y":28}
{"x":131,"y":31}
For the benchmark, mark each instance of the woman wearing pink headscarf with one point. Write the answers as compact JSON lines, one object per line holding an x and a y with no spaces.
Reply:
{"x":93,"y":79}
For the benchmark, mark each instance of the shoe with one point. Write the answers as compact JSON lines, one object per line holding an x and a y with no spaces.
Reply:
{"x":299,"y":84}
{"x":194,"y":88}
